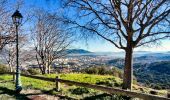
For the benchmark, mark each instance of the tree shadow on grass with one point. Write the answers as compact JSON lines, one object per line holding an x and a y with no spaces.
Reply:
{"x":4,"y":90}
{"x":6,"y":81}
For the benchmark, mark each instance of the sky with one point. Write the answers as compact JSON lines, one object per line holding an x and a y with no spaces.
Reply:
{"x":97,"y":45}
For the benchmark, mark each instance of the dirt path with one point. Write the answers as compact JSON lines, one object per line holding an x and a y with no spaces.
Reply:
{"x":38,"y":95}
{"x":32,"y":94}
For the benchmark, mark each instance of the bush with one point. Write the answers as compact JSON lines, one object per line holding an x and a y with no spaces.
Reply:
{"x":33,"y":71}
{"x":106,"y":83}
{"x":25,"y":72}
{"x":4,"y":68}
{"x":168,"y":95}
{"x":153,"y":92}
{"x":158,"y":87}
{"x":103,"y":70}
{"x":118,"y":84}
{"x":79,"y":91}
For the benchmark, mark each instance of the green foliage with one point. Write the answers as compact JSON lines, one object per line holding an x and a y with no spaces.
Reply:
{"x":103,"y":70}
{"x":45,"y":85}
{"x":156,"y":76}
{"x":4,"y":68}
{"x":106,"y":83}
{"x":118,"y":84}
{"x":28,"y":83}
{"x":79,"y":90}
{"x":25,"y":72}
{"x":72,"y":91}
{"x":33,"y":71}
{"x":158,"y":87}
{"x":88,"y":78}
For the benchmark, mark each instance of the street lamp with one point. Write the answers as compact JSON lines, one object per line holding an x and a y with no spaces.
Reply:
{"x":17,"y":19}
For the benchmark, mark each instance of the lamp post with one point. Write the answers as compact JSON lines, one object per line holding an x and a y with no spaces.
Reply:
{"x":17,"y":19}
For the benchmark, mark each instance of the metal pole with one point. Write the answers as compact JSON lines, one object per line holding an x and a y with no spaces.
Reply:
{"x":18,"y":82}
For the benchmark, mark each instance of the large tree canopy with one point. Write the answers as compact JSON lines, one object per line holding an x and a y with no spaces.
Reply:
{"x":127,"y":24}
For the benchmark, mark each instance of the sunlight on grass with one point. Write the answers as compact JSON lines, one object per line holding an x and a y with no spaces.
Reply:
{"x":86,"y":78}
{"x":104,"y":80}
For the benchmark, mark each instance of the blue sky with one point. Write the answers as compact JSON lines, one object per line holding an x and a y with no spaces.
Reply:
{"x":97,"y":45}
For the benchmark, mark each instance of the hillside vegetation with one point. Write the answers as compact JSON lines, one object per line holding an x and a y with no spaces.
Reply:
{"x":156,"y":75}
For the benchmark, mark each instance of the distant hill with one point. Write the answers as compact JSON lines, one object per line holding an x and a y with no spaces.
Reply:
{"x":155,"y":56}
{"x":77,"y":51}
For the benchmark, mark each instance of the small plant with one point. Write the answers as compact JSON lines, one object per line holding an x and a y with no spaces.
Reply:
{"x":153,"y":92}
{"x":79,"y":91}
{"x":25,"y":72}
{"x":33,"y":71}
{"x":117,"y":84}
{"x":158,"y":87}
{"x":106,"y":83}
{"x":168,"y":95}
{"x":3,"y":68}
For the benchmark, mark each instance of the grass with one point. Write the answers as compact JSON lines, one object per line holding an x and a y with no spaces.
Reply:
{"x":86,"y":78}
{"x":27,"y":83}
{"x":48,"y":87}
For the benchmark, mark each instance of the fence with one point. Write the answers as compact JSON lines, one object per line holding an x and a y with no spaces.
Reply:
{"x":97,"y":87}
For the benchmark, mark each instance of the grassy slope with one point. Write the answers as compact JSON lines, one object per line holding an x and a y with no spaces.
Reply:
{"x":86,"y":78}
{"x":29,"y":83}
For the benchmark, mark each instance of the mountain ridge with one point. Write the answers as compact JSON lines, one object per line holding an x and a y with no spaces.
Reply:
{"x":77,"y":51}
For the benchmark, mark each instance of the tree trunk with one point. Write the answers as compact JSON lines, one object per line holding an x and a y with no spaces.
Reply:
{"x":44,"y":69}
{"x":49,"y":69}
{"x":40,"y":66}
{"x":11,"y":69}
{"x":128,"y":68}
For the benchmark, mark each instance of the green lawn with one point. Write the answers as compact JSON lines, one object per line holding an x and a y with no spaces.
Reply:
{"x":45,"y":85}
{"x":87,"y":78}
{"x":6,"y":84}
{"x":30,"y":83}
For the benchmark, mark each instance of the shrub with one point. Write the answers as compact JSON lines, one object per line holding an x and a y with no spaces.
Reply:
{"x":158,"y":87}
{"x":25,"y":72}
{"x":4,"y":68}
{"x":153,"y":92}
{"x":33,"y":71}
{"x":103,"y":70}
{"x":168,"y":95}
{"x":118,"y":84}
{"x":79,"y":91}
{"x":106,"y":83}
{"x":117,"y":72}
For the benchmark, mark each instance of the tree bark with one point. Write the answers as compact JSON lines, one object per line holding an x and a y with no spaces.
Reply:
{"x":44,"y":69}
{"x":11,"y":69}
{"x":128,"y":68}
{"x":48,"y":65}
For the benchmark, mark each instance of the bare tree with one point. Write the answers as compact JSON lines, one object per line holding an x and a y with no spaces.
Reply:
{"x":126,"y":24}
{"x":50,"y":40}
{"x":5,"y":24}
{"x":9,"y":52}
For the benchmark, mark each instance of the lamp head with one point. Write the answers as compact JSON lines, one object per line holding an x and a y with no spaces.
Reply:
{"x":17,"y":18}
